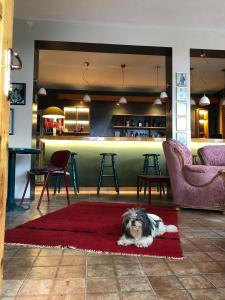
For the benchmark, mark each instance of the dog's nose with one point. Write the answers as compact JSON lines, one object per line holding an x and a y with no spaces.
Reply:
{"x":133,"y":223}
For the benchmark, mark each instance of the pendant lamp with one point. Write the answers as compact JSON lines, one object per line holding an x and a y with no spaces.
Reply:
{"x":192,"y":101}
{"x":42,"y":92}
{"x":223,"y":99}
{"x":86,"y":97}
{"x":122,"y":100}
{"x":163,"y":95}
{"x":204,"y":101}
{"x":157,"y":101}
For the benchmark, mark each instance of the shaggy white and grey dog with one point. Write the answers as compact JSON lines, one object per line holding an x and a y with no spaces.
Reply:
{"x":140,"y":228}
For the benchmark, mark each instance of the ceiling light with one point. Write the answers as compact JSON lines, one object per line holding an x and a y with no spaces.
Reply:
{"x":157,"y":101}
{"x":86,"y":97}
{"x":42,"y":92}
{"x":123,"y":100}
{"x":163,"y":95}
{"x":223,"y":102}
{"x":204,"y":101}
{"x":193,"y":102}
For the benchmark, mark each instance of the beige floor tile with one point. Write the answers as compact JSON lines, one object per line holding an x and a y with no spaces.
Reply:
{"x":100,"y":271}
{"x":217,"y":255}
{"x":198,"y":256}
{"x":217,"y":279}
{"x":18,"y":262}
{"x":156,"y":269}
{"x":69,"y":260}
{"x":106,"y":296}
{"x":68,"y":286}
{"x":210,"y":267}
{"x":71,"y":271}
{"x":134,"y":284}
{"x":204,"y":294}
{"x":185,"y":267}
{"x":122,"y":259}
{"x":33,"y":287}
{"x":10,"y":252}
{"x":195,"y":282}
{"x":51,"y":252}
{"x":165,"y":282}
{"x":42,"y":297}
{"x":221,"y":293}
{"x":47,"y":261}
{"x":101,"y":285}
{"x":173,"y":294}
{"x":11,"y":287}
{"x":67,"y":297}
{"x":147,"y":260}
{"x":139,"y":296}
{"x":25,"y":252}
{"x":12,"y":273}
{"x":129,"y":270}
{"x":99,"y":259}
{"x":42,"y":272}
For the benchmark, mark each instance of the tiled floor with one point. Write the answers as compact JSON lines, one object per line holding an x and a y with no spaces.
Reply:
{"x":53,"y":274}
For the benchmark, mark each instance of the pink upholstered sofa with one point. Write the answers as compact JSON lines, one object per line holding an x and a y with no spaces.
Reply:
{"x":193,"y":186}
{"x":213,"y":155}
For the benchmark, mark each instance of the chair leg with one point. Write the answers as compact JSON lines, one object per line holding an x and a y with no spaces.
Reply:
{"x":42,"y":192}
{"x":66,"y":185}
{"x":100,"y":175}
{"x":47,"y":191}
{"x":57,"y":183}
{"x":24,"y":193}
{"x":115,"y":177}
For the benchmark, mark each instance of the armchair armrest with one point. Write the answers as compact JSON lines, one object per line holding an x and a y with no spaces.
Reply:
{"x":202,"y":175}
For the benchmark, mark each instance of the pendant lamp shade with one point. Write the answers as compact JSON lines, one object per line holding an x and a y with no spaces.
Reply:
{"x":53,"y":112}
{"x":157,"y":101}
{"x":204,"y":101}
{"x":163,"y":95}
{"x":42,"y":92}
{"x":86,"y":98}
{"x":193,"y":102}
{"x":123,"y":100}
{"x":223,"y":102}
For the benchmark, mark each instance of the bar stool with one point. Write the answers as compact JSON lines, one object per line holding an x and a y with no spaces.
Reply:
{"x":108,"y":161}
{"x":151,"y":166}
{"x":72,"y":174}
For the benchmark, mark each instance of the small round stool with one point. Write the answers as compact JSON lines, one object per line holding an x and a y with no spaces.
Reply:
{"x":72,"y":174}
{"x":151,"y":166}
{"x":108,"y":162}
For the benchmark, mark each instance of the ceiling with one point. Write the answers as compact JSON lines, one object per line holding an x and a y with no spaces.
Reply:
{"x":205,"y":14}
{"x":65,"y":70}
{"x":62,"y":69}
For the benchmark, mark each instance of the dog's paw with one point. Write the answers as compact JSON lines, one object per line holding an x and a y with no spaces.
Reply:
{"x":121,"y":243}
{"x":141,"y":245}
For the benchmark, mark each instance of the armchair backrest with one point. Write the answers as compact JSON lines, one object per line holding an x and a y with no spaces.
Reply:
{"x":177,"y":155}
{"x":60,"y":159}
{"x":213,"y":155}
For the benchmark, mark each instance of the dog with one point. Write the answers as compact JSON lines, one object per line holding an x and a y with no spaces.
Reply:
{"x":140,"y":228}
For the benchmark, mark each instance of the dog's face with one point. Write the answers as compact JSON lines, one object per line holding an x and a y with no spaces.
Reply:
{"x":136,"y":223}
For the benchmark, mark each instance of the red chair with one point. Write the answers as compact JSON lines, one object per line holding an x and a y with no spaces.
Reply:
{"x":57,"y":167}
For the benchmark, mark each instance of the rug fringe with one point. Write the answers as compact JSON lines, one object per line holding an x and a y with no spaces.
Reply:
{"x":93,"y":251}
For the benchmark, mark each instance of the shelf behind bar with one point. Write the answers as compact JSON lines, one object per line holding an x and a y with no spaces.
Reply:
{"x":139,"y":127}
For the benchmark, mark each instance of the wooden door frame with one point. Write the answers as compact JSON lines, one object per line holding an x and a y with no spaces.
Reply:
{"x":6,"y":29}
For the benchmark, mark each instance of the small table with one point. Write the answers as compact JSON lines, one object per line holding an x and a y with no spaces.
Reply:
{"x":11,"y":205}
{"x":151,"y":179}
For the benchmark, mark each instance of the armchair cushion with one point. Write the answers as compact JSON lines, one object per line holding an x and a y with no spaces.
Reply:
{"x":213,"y":155}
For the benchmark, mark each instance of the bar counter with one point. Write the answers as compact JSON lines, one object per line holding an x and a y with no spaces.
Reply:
{"x":129,"y":150}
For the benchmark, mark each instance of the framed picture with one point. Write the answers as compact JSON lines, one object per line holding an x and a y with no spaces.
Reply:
{"x":11,"y":121}
{"x":182,"y":137}
{"x":181,"y":93}
{"x":181,"y":109}
{"x":18,"y":94}
{"x":181,"y":79}
{"x":181,"y":123}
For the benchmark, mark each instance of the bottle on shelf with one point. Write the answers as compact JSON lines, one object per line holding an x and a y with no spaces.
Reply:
{"x":146,"y":124}
{"x":132,"y":123}
{"x":139,"y":124}
{"x":127,"y":123}
{"x":136,"y":134}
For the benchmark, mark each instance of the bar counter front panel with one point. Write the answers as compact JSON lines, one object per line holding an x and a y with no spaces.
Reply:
{"x":129,"y":159}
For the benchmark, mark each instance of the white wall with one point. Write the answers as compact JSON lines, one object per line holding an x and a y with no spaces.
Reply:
{"x":24,"y":36}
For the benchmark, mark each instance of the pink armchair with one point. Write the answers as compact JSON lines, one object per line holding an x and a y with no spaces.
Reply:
{"x":193,"y":186}
{"x":213,"y":155}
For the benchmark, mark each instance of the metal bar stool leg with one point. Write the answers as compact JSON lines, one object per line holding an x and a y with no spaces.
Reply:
{"x":66,"y":185}
{"x":74,"y":174}
{"x":115,"y":175}
{"x":43,"y":189}
{"x":24,"y":193}
{"x":100,"y":175}
{"x":144,"y":171}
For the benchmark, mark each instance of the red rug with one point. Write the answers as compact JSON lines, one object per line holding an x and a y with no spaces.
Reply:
{"x":94,"y":226}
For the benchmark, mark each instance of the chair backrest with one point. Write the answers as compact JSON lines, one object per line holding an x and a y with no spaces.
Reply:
{"x":60,"y":159}
{"x":176,"y":155}
{"x":213,"y":155}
